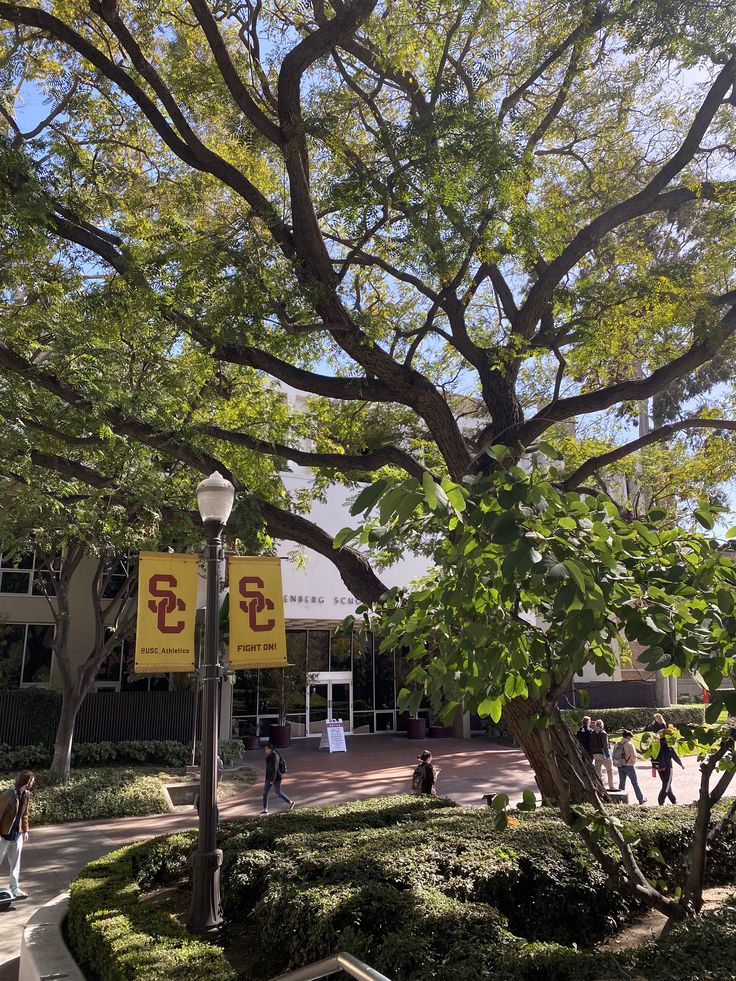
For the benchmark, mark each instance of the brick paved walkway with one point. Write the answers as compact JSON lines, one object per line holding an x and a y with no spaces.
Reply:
{"x":373,"y":766}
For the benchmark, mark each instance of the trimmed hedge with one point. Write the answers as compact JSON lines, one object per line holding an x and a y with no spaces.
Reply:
{"x":116,"y":938}
{"x":153,"y":752}
{"x":638,"y":719}
{"x":417,"y":887}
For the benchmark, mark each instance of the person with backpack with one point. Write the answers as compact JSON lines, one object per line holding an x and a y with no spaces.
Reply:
{"x":601,"y":752}
{"x":624,"y":759}
{"x":275,"y":770}
{"x":14,"y":826}
{"x":424,"y":780}
{"x":663,"y":765}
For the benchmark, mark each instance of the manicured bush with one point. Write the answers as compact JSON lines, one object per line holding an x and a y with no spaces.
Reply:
{"x":418,"y":888}
{"x":93,"y":794}
{"x":639,"y":719}
{"x":23,"y":757}
{"x":115,"y":938}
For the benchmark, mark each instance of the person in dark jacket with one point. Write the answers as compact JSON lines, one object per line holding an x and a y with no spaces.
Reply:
{"x":14,"y":826}
{"x":663,"y":765}
{"x":602,"y":752}
{"x":584,"y":734}
{"x":658,"y":723}
{"x":273,"y":778}
{"x":429,"y":773}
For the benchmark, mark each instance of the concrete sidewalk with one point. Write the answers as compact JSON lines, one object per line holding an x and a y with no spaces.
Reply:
{"x":374,"y":766}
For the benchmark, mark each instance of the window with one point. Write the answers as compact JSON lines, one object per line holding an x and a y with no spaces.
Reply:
{"x":340,"y":659}
{"x":16,"y":574}
{"x":124,"y":657}
{"x":39,"y":651}
{"x":115,"y":574}
{"x":26,"y":653}
{"x":21,"y":575}
{"x":318,"y":647}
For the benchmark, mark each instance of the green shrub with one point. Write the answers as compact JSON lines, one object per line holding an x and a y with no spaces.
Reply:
{"x":420,"y":889}
{"x":92,"y":754}
{"x":116,"y":938}
{"x":639,"y":719}
{"x":24,"y":757}
{"x":231,"y":750}
{"x":93,"y":794}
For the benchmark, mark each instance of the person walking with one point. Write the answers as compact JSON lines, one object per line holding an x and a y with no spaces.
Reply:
{"x":584,"y":736}
{"x":14,"y":826}
{"x":624,"y":758}
{"x":275,"y":769}
{"x":663,"y":765}
{"x":658,"y":725}
{"x":601,"y":752}
{"x":425,"y":776}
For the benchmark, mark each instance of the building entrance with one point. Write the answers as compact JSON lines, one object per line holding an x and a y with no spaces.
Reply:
{"x":330,"y":696}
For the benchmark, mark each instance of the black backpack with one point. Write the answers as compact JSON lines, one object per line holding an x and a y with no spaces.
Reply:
{"x":282,"y":765}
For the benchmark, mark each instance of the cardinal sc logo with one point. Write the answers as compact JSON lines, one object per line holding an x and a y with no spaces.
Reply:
{"x":254,"y":603}
{"x":166,"y":603}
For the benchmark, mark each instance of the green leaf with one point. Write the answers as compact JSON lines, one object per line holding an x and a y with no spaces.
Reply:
{"x":499,"y":802}
{"x":430,"y":490}
{"x":569,"y":524}
{"x":657,"y":855}
{"x":368,"y":496}
{"x":515,"y":687}
{"x":725,"y":601}
{"x":343,"y":536}
{"x":492,"y":707}
{"x":704,"y":518}
{"x":548,"y":450}
{"x":528,"y":801}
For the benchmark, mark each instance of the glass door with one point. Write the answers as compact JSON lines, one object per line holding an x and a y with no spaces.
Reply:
{"x":317,"y":707}
{"x":329,"y":698}
{"x":341,"y":703}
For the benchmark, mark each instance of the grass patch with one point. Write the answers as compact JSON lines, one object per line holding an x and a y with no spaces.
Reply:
{"x":107,"y":792}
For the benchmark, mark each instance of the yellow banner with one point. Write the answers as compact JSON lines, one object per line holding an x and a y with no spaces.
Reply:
{"x":167,"y":612}
{"x":257,"y":629}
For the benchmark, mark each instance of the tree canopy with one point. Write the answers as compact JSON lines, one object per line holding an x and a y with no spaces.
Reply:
{"x":447,"y":225}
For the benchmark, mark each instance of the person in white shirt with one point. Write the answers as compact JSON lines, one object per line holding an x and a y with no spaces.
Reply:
{"x":624,"y":757}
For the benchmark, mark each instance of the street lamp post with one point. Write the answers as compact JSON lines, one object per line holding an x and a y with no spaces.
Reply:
{"x":215,"y":501}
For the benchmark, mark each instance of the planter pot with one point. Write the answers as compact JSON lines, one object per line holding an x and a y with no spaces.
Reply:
{"x":439,"y":732}
{"x":417,"y":729}
{"x":252,"y":742}
{"x":280,"y":736}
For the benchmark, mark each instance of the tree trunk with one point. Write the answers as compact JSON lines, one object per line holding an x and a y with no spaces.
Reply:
{"x":519,"y":715}
{"x":71,"y":702}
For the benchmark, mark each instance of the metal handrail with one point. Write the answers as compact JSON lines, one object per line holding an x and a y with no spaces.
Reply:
{"x":339,"y":962}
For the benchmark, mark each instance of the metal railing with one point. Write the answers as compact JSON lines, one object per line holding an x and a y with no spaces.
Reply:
{"x":339,"y":962}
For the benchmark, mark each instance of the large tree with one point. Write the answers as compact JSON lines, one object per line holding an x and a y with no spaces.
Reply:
{"x":453,"y":225}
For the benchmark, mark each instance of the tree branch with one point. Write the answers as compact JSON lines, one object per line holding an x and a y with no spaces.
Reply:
{"x":232,"y":79}
{"x":631,"y":390}
{"x":383,"y":456}
{"x":626,"y":449}
{"x":193,"y":153}
{"x":633,"y":207}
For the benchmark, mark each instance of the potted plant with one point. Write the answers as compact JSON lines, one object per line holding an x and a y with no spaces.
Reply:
{"x":437,"y":730}
{"x":417,"y":728}
{"x":250,"y":735}
{"x":289,"y":686}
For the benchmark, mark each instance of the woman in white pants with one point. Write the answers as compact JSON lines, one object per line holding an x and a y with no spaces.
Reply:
{"x":14,"y":826}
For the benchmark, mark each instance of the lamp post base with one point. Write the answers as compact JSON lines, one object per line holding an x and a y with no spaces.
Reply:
{"x":205,"y":916}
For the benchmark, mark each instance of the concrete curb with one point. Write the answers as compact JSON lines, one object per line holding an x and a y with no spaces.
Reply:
{"x":44,"y":953}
